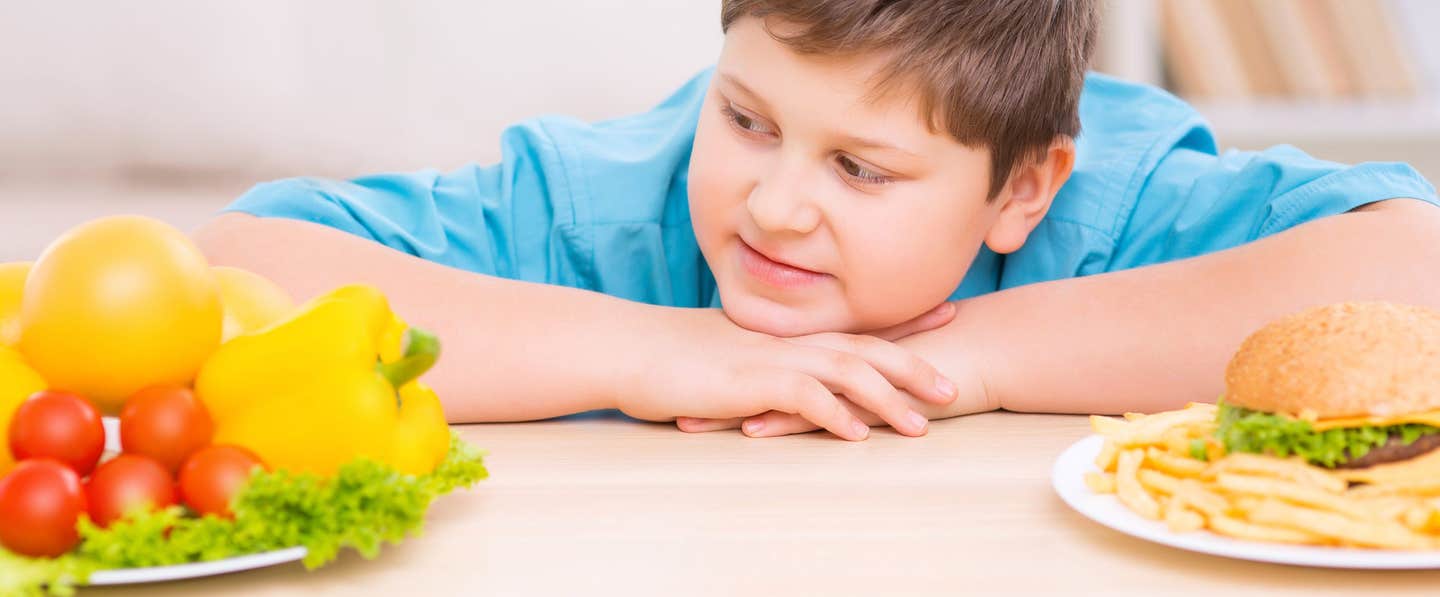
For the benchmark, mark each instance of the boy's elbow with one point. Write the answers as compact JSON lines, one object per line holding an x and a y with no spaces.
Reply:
{"x":223,"y":239}
{"x":231,"y":239}
{"x":265,"y":246}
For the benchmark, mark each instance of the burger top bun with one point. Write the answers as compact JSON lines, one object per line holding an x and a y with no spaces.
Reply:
{"x":1342,"y":360}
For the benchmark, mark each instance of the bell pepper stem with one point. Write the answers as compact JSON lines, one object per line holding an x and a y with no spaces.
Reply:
{"x":422,"y":349}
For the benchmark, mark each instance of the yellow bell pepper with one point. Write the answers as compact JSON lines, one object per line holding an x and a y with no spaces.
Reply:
{"x":335,"y":381}
{"x":17,"y":382}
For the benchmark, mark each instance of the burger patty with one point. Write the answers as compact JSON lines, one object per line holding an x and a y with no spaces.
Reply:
{"x":1394,"y":450}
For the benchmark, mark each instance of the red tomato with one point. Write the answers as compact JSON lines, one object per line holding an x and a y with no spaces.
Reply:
{"x":166,"y":423}
{"x":211,"y":477}
{"x":127,"y":482}
{"x":40,"y":502}
{"x":58,"y":425}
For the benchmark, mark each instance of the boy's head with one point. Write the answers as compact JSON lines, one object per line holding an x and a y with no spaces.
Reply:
{"x":877,"y":144}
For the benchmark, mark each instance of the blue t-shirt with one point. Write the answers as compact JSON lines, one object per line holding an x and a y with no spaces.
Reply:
{"x":603,"y":206}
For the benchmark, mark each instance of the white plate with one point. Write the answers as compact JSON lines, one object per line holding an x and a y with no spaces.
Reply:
{"x":1068,"y":478}
{"x":126,"y":576}
{"x":112,"y":433}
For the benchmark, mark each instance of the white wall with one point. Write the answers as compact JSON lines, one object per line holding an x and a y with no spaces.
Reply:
{"x":177,"y":90}
{"x":184,"y":88}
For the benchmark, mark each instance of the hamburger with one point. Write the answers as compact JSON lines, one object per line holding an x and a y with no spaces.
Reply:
{"x":1354,"y":387}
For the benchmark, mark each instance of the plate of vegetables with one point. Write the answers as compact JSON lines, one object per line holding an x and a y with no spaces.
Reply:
{"x":165,"y":419}
{"x":277,"y":518}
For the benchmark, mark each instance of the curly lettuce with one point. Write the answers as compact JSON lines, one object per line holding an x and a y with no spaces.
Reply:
{"x":1245,"y":430}
{"x":363,"y":506}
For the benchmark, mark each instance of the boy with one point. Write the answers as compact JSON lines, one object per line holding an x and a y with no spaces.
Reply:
{"x":889,"y":203}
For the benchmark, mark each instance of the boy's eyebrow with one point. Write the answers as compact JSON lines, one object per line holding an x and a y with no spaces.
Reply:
{"x":851,"y":140}
{"x":877,"y":145}
{"x":745,"y":89}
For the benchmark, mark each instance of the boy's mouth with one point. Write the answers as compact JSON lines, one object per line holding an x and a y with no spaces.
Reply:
{"x":775,"y":273}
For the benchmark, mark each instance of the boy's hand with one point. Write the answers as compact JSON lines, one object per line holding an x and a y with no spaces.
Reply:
{"x":699,"y":364}
{"x":776,"y":423}
{"x":929,"y":320}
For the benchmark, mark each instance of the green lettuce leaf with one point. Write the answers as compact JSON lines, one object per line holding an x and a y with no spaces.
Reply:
{"x":1245,"y":430}
{"x":25,"y":577}
{"x":362,"y":507}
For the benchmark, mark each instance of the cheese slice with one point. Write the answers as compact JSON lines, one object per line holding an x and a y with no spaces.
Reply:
{"x":1431,"y":418}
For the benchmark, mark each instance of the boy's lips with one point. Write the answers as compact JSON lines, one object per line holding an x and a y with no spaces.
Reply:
{"x":773,"y":272}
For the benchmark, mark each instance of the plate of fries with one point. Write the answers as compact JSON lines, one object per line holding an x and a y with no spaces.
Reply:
{"x":1164,"y":478}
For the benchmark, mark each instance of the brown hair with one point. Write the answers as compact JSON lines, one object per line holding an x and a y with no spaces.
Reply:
{"x":1002,"y":74}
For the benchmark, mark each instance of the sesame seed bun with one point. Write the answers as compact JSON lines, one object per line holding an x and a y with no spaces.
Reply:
{"x":1342,"y":360}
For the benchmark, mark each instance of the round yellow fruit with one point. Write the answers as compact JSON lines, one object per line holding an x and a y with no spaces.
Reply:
{"x":17,"y":382}
{"x":12,"y":287}
{"x":118,"y":304}
{"x":251,"y":301}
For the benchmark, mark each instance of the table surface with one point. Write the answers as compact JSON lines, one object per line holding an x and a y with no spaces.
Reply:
{"x":603,"y":504}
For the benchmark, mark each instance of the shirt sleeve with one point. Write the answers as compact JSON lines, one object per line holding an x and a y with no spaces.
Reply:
{"x":1196,"y":202}
{"x":508,"y":219}
{"x":597,"y":206}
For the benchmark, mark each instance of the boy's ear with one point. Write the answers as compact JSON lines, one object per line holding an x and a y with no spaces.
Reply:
{"x":1027,"y":196}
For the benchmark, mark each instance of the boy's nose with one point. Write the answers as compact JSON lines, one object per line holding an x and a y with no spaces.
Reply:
{"x":779,"y":203}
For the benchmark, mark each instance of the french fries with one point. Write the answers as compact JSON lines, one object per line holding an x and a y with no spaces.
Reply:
{"x":1149,"y":462}
{"x":1167,"y":462}
{"x":1127,"y":485}
{"x":1100,"y":482}
{"x":1293,"y":469}
{"x":1180,"y":518}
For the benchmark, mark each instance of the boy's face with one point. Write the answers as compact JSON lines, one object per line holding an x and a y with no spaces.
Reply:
{"x":795,"y":162}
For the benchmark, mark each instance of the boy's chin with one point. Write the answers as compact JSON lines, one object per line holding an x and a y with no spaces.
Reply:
{"x":768,"y":317}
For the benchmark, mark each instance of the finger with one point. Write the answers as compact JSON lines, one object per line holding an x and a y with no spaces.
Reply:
{"x":846,"y":373}
{"x":775,"y":424}
{"x":698,"y":425}
{"x":900,"y":367}
{"x":937,"y":317}
{"x":805,"y":396}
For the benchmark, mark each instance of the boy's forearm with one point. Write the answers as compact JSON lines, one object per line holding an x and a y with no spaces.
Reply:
{"x":511,"y":350}
{"x":524,"y":351}
{"x":1156,"y":337}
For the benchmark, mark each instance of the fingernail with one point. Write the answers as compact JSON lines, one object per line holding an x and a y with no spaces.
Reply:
{"x":945,"y":386}
{"x":753,"y":426}
{"x":945,"y":308}
{"x":918,"y":421}
{"x":861,"y":430}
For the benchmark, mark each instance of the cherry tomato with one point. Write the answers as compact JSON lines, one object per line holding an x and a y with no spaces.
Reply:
{"x":127,"y":482}
{"x":166,"y":423}
{"x":58,"y":425}
{"x":40,"y":502}
{"x":211,"y":477}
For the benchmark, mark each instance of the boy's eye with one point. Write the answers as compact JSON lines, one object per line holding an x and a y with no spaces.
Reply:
{"x":745,"y":123}
{"x":854,"y":170}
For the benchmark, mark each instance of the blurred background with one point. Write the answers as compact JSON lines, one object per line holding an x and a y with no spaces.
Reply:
{"x":172,"y":108}
{"x":1346,"y":80}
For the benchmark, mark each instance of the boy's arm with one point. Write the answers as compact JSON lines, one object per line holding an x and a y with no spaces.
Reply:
{"x":1155,"y":337}
{"x":516,"y":350}
{"x":309,"y":259}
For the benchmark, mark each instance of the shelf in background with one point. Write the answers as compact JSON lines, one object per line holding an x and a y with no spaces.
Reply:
{"x":1132,"y":46}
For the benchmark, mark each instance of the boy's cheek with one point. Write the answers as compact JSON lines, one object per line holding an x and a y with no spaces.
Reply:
{"x":715,"y":196}
{"x":883,"y":296}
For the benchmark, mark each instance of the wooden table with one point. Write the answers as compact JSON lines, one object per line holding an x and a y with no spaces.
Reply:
{"x":605,"y":505}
